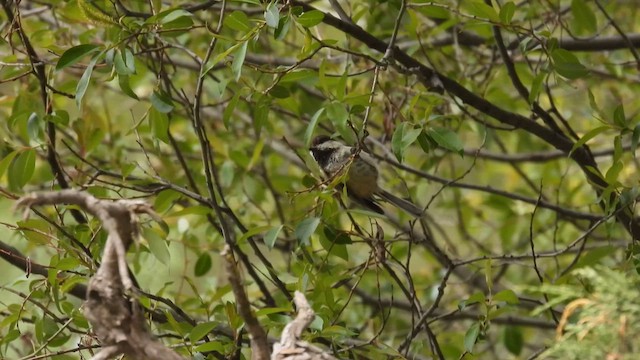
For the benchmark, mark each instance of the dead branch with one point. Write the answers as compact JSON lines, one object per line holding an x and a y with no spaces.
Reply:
{"x":116,"y":318}
{"x":290,"y":346}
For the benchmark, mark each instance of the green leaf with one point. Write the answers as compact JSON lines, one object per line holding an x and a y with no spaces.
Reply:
{"x":35,"y":231}
{"x":81,"y":88}
{"x":164,"y":200}
{"x":536,"y":87}
{"x":238,"y":60}
{"x":175,"y":14}
{"x":252,"y":232}
{"x":482,"y":10}
{"x":446,"y":139}
{"x":471,"y":337}
{"x":74,"y":54}
{"x":238,"y":21}
{"x":335,"y":242}
{"x":635,"y":137}
{"x":7,"y":160}
{"x":283,"y":28}
{"x":507,"y":296}
{"x":123,"y":81}
{"x":69,"y":263}
{"x":34,"y":127}
{"x":614,"y":171}
{"x":513,"y":340}
{"x":507,"y":11}
{"x":203,"y":264}
{"x":159,"y":123}
{"x":272,"y":310}
{"x":261,"y":113}
{"x":338,"y":114}
{"x":161,"y":102}
{"x":305,"y":229}
{"x":311,"y":128}
{"x":22,"y":168}
{"x":120,"y":65}
{"x":475,"y":298}
{"x":298,"y":76}
{"x":280,"y":92}
{"x":588,"y":136}
{"x":210,"y":346}
{"x":272,"y":235}
{"x":201,"y":330}
{"x":272,"y":15}
{"x":404,"y":135}
{"x":566,"y":64}
{"x":228,"y":111}
{"x":310,"y":18}
{"x":59,"y":117}
{"x":584,"y":20}
{"x":436,"y":12}
{"x":157,"y":245}
{"x":619,"y":118}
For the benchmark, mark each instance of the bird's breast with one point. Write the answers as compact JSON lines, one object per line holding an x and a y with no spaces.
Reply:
{"x":363,"y":179}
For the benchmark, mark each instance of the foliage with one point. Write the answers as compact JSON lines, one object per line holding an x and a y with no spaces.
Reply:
{"x":604,"y":319}
{"x":514,"y":124}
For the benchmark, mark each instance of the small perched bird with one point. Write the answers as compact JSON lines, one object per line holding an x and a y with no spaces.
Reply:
{"x":362,"y":175}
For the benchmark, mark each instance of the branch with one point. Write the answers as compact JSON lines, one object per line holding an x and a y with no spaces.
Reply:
{"x":290,"y":347}
{"x":117,"y":321}
{"x":259,"y":344}
{"x":600,"y":43}
{"x":38,"y":69}
{"x":433,"y":80}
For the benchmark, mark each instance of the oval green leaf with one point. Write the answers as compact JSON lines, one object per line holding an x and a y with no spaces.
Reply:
{"x":310,"y":18}
{"x":74,"y":54}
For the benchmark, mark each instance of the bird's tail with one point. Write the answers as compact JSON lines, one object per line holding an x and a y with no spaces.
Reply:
{"x":403,"y":204}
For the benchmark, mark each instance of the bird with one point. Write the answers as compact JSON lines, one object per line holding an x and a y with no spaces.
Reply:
{"x":362,"y":174}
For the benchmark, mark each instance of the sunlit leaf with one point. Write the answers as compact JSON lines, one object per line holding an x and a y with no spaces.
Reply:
{"x":271,"y":236}
{"x":157,"y":245}
{"x":567,"y":64}
{"x":471,"y":337}
{"x":480,"y":9}
{"x":161,"y":102}
{"x":203,"y":264}
{"x":238,"y":21}
{"x":305,"y":229}
{"x":201,"y":330}
{"x":310,"y":18}
{"x":506,"y":12}
{"x":81,"y":88}
{"x":272,"y":15}
{"x":445,"y":138}
{"x":404,"y":135}
{"x":238,"y":60}
{"x":75,"y":54}
{"x":22,"y":168}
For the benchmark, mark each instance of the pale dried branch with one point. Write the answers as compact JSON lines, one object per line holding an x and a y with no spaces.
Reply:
{"x":290,"y":347}
{"x":116,"y":319}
